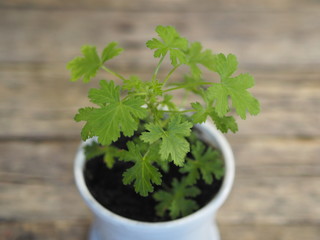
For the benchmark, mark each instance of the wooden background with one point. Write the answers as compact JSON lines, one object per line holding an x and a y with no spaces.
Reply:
{"x":277,"y":189}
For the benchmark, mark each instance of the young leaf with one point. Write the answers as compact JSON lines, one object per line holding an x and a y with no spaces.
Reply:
{"x":224,"y":123}
{"x":134,"y":83}
{"x":172,"y":42}
{"x":107,"y":122}
{"x":83,"y":115}
{"x":85,"y":67}
{"x":236,"y":88}
{"x":110,"y":51}
{"x":196,"y":56}
{"x":206,"y":162}
{"x":176,"y":200}
{"x":114,"y":115}
{"x":108,"y":93}
{"x":143,"y":173}
{"x":224,"y":65}
{"x":173,"y":143}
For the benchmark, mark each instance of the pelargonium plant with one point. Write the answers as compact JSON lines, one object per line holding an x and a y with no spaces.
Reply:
{"x":159,"y":133}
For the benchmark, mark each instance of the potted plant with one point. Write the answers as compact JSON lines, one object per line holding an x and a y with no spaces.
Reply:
{"x":150,"y":169}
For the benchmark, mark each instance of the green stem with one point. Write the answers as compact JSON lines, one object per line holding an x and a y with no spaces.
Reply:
{"x":158,"y":67}
{"x":113,"y":73}
{"x":183,"y":86}
{"x":169,"y":74}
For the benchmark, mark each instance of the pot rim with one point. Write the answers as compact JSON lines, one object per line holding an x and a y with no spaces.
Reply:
{"x":220,"y":142}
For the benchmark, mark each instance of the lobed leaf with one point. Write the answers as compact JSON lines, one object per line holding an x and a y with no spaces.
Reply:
{"x":108,"y":93}
{"x":85,"y":67}
{"x":143,"y":173}
{"x":170,"y":42}
{"x":110,"y":51}
{"x":236,"y":89}
{"x":196,"y":56}
{"x":176,"y":200}
{"x":207,"y":163}
{"x":173,"y":143}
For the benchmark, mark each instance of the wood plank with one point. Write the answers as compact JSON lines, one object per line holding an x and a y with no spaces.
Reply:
{"x":173,"y":5}
{"x":39,"y":230}
{"x":36,"y":36}
{"x":267,"y":232}
{"x":41,"y":201}
{"x":273,"y":200}
{"x":53,"y":161}
{"x":37,"y":101}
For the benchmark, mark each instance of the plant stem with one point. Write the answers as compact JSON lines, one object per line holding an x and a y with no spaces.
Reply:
{"x":183,"y":86}
{"x":113,"y":73}
{"x":158,"y":67}
{"x":169,"y":74}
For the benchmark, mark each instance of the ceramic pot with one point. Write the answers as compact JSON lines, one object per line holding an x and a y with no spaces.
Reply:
{"x":200,"y":225}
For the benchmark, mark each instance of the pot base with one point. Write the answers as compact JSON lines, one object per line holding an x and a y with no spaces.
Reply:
{"x":210,"y":232}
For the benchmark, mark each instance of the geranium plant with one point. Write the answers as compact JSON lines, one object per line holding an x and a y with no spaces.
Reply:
{"x":159,"y":134}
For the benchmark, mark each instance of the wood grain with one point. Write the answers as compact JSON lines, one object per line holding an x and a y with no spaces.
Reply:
{"x":153,"y":5}
{"x":266,"y":231}
{"x":39,"y":230}
{"x":260,"y":39}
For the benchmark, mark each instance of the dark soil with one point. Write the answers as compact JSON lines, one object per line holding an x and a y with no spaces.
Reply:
{"x":107,"y":188}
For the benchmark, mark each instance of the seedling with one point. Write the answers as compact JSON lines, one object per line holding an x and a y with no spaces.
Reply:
{"x":161,"y":133}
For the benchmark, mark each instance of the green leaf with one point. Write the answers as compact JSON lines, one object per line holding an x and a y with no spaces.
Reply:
{"x":83,"y":115}
{"x":225,"y":65}
{"x":110,"y":51}
{"x":177,"y":200}
{"x":224,"y":123}
{"x":134,"y":83}
{"x":236,"y":89}
{"x":107,"y":122}
{"x":201,"y":113}
{"x":170,"y":42}
{"x":206,"y":162}
{"x":196,"y":56}
{"x":85,"y":67}
{"x":108,"y":93}
{"x":191,"y":83}
{"x":113,"y":117}
{"x":143,"y":173}
{"x":173,"y":143}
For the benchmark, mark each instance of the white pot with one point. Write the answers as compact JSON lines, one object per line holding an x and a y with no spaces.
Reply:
{"x":200,"y":225}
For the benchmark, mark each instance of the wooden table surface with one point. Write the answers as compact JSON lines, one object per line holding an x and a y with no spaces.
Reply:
{"x":277,"y":189}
